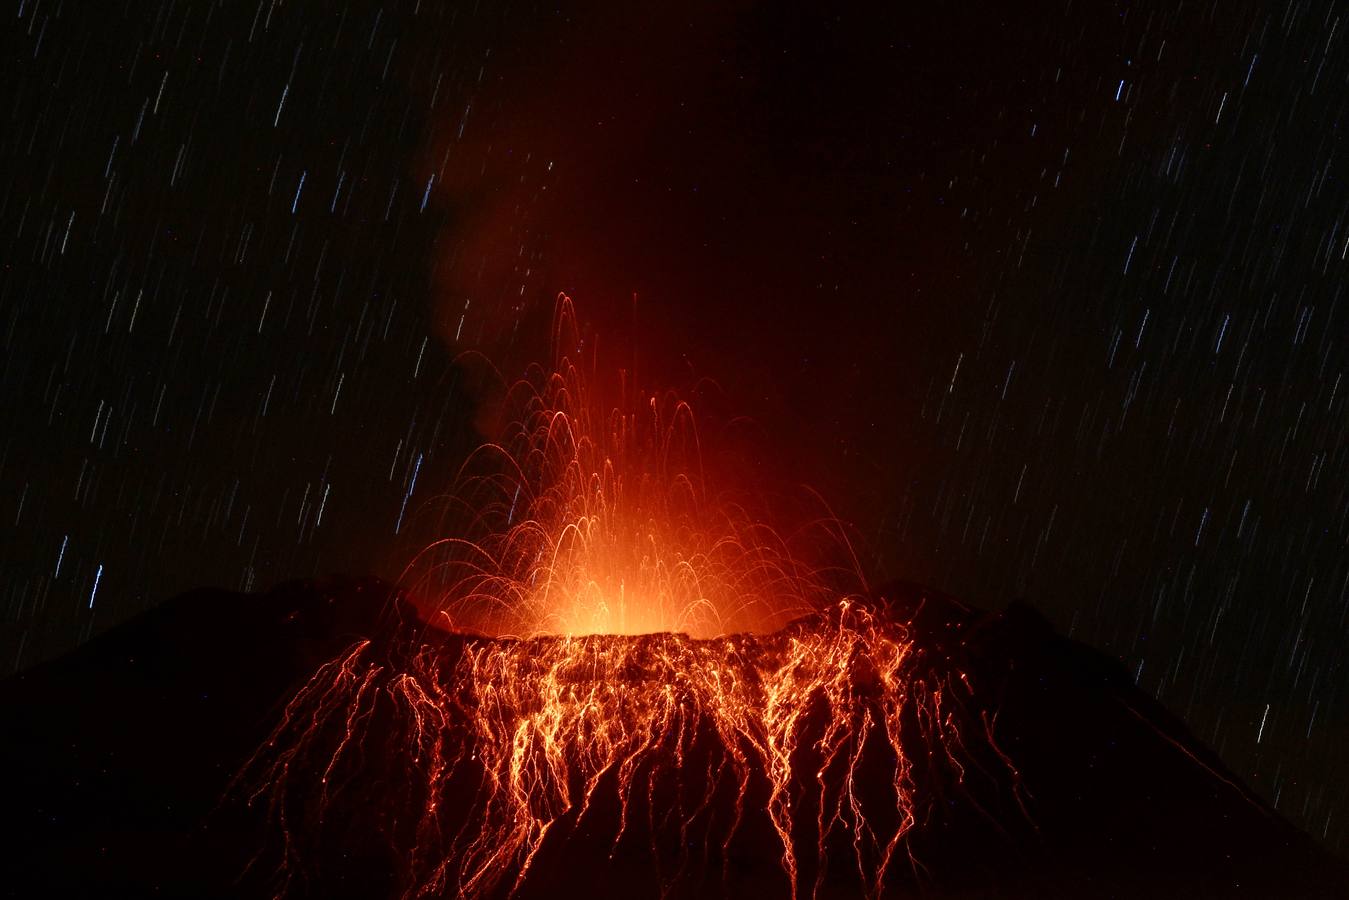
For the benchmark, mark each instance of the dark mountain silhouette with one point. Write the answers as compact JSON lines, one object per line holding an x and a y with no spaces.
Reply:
{"x":119,"y":759}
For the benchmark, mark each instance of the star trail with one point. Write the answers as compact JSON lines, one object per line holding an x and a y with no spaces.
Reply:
{"x":1048,"y":302}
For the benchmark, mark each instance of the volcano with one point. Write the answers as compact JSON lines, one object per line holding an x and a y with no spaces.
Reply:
{"x":145,"y":764}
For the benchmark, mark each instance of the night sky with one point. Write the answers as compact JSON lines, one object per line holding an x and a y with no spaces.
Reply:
{"x":1046,"y":299}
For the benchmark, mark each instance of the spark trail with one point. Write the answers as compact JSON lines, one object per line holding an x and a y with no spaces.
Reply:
{"x":587,"y":518}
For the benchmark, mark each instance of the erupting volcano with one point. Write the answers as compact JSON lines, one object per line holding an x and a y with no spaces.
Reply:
{"x":613,"y":678}
{"x":621,"y":652}
{"x":340,"y":559}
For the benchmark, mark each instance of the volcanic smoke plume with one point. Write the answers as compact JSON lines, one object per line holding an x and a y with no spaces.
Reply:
{"x":620,"y":654}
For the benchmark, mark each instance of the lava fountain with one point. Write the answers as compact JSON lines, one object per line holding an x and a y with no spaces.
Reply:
{"x":589,"y":518}
{"x":622,"y":658}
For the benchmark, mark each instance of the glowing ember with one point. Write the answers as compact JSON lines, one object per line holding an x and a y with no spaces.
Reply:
{"x":594,"y":537}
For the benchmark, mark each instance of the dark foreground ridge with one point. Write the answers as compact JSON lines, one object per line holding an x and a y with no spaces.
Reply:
{"x":118,"y":762}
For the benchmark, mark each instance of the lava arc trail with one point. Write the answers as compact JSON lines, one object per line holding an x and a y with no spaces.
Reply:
{"x":587,"y":519}
{"x":620,"y":651}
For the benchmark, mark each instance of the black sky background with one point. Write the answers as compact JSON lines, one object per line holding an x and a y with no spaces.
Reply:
{"x":1046,"y":301}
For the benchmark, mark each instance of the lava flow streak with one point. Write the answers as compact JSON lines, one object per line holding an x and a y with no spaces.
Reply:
{"x":620,"y":653}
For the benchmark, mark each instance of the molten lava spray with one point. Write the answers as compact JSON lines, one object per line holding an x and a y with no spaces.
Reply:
{"x":587,"y":518}
{"x":621,"y":650}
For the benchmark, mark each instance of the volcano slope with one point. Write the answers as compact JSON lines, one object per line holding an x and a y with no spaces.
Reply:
{"x":192,"y":753}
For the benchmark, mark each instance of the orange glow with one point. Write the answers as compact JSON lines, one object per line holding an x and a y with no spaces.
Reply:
{"x":628,"y":649}
{"x":588,"y":520}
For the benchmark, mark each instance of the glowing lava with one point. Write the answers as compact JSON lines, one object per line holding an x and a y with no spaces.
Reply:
{"x":627,"y":654}
{"x":588,"y":519}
